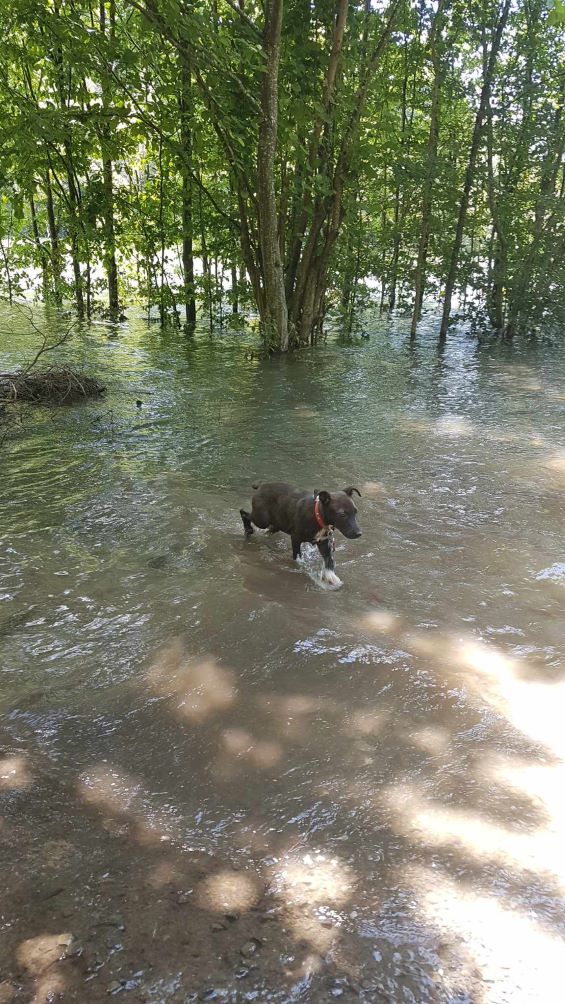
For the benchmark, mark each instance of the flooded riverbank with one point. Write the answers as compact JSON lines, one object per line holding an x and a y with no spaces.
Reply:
{"x":218,"y":779}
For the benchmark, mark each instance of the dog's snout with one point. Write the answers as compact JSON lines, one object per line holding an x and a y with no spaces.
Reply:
{"x":352,"y":532}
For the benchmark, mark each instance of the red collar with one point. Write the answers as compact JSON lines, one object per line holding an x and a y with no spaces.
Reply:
{"x":318,"y":514}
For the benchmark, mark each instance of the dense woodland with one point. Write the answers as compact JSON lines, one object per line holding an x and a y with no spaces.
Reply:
{"x":290,"y":159}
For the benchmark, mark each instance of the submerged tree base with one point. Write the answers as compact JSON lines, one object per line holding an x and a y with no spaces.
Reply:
{"x":55,"y":385}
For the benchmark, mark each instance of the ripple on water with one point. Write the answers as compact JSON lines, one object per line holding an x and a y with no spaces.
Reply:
{"x":555,"y":573}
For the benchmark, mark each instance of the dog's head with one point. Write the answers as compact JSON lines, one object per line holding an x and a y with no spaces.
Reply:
{"x":339,"y":510}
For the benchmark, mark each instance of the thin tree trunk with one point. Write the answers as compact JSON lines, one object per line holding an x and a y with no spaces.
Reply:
{"x":74,"y":228}
{"x":110,"y":238}
{"x":88,"y":274}
{"x":396,"y":231}
{"x":67,"y":159}
{"x":162,"y":309}
{"x":384,"y":228}
{"x":207,"y":278}
{"x":431,"y":158}
{"x":495,"y":291}
{"x":88,"y":269}
{"x":108,"y":185}
{"x":349,"y":293}
{"x":275,"y":315}
{"x":347,"y":284}
{"x":72,"y":199}
{"x":470,"y":170}
{"x":54,"y":243}
{"x":8,"y":272}
{"x":187,"y":192}
{"x":234,"y":290}
{"x":218,"y":292}
{"x":149,"y":280}
{"x":41,"y":253}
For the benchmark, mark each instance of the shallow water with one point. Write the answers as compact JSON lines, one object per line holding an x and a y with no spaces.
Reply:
{"x":389,"y":757}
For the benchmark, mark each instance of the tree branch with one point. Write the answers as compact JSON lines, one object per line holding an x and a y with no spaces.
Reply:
{"x":247,"y":20}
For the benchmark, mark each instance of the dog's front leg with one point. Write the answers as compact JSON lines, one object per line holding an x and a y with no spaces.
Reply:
{"x":328,"y":573}
{"x":247,"y":524}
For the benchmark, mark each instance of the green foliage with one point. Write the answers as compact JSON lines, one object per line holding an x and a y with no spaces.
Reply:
{"x":127,"y":129}
{"x":556,"y":13}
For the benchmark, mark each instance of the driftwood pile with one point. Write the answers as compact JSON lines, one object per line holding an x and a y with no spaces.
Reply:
{"x":53,"y":384}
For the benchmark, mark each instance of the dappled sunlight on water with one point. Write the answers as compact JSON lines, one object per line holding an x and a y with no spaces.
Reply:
{"x":228,"y":892}
{"x":367,"y":722}
{"x":37,"y":956}
{"x":514,"y":954}
{"x":534,"y":707}
{"x":196,"y":689}
{"x":555,"y":464}
{"x":264,"y":754}
{"x":123,"y":798}
{"x":314,"y":879}
{"x":446,"y":827}
{"x":14,"y":773}
{"x":434,"y":740}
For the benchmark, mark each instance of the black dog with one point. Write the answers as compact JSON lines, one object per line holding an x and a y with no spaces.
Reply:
{"x":309,"y":517}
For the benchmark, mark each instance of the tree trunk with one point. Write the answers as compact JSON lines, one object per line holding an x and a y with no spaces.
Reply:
{"x":349,"y":289}
{"x":470,"y":170}
{"x":108,"y":184}
{"x":206,"y":274}
{"x":72,"y":195}
{"x":495,"y":291}
{"x":110,"y":238}
{"x":311,"y":276}
{"x":74,"y":214}
{"x":397,"y":228}
{"x":54,"y":243}
{"x":162,"y":307}
{"x":303,"y":196}
{"x":41,"y":253}
{"x":88,"y":274}
{"x":433,"y":138}
{"x":187,"y":192}
{"x":234,"y":290}
{"x":6,"y":260}
{"x":274,"y":314}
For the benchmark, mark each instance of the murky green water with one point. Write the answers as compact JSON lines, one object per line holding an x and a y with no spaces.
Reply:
{"x":388,"y":757}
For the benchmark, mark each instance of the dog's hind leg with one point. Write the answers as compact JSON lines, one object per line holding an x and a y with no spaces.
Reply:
{"x":247,"y":524}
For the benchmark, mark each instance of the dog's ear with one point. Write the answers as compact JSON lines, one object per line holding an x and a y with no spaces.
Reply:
{"x":324,"y":497}
{"x":349,"y":491}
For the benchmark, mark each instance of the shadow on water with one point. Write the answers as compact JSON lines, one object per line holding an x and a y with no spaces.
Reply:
{"x":218,"y":779}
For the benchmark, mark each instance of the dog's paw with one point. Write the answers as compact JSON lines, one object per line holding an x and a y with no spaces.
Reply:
{"x":329,"y":578}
